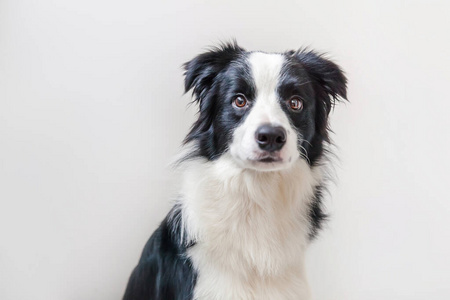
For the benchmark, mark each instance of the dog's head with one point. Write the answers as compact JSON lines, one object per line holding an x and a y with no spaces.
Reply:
{"x":266,"y":110}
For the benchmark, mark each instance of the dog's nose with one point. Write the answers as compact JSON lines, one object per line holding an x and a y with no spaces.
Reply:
{"x":270,"y":138}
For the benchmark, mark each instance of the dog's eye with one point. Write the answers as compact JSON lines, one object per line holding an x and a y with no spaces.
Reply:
{"x":240,"y":101}
{"x":295,"y":103}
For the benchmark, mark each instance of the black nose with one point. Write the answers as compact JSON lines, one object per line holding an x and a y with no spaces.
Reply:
{"x":270,"y":138}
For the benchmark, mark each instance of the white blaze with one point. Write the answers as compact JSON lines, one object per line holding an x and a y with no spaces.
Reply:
{"x":266,"y":109}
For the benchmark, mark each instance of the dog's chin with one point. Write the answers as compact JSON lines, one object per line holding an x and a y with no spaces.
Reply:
{"x":266,"y":166}
{"x":266,"y":163}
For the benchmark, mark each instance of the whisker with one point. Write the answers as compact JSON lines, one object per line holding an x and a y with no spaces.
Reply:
{"x":306,"y":142}
{"x":305,"y":156}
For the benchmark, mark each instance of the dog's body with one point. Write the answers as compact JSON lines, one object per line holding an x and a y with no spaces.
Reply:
{"x":252,"y":180}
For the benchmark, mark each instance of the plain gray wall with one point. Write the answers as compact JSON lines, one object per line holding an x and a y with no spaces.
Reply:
{"x":92,"y":111}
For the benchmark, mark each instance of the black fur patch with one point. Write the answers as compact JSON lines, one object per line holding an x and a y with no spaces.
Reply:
{"x":316,"y":214}
{"x":164,"y":272}
{"x":216,"y":77}
{"x":321,"y":83}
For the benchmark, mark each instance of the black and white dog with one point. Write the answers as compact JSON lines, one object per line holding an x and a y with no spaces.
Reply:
{"x":252,"y":183}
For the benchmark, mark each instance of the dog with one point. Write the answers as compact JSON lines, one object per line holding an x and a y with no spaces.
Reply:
{"x":253,"y":178}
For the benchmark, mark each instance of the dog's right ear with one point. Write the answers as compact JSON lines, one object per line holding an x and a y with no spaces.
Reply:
{"x":200,"y":74}
{"x":201,"y":71}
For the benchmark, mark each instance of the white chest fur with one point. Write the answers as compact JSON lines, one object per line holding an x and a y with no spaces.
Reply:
{"x":251,"y":229}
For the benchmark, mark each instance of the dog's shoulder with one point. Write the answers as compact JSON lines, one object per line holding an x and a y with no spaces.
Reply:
{"x":164,"y":271}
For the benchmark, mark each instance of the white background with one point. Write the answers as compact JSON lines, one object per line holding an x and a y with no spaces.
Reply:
{"x":92,"y":111}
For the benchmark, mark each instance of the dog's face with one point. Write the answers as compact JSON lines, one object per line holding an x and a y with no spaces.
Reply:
{"x":266,"y":110}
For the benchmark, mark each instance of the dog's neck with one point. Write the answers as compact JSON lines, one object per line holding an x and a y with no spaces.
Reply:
{"x":222,"y":201}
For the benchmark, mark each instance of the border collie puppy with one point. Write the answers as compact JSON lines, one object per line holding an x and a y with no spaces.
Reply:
{"x":253,"y":176}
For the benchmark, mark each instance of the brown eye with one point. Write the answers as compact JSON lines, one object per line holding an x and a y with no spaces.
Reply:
{"x":296,"y":103}
{"x":240,"y":101}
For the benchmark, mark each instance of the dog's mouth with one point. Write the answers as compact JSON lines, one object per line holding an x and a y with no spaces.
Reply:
{"x":269,"y":159}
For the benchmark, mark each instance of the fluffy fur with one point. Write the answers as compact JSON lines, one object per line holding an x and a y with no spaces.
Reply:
{"x":245,"y":214}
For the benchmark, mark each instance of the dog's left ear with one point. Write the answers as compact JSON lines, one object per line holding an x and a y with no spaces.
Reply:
{"x":330,"y":81}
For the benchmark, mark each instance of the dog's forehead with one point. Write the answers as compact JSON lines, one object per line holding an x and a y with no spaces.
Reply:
{"x":265,"y":69}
